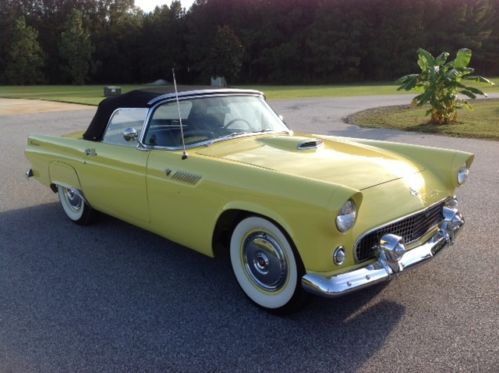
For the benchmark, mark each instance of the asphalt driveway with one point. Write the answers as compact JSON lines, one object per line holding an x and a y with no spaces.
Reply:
{"x":112,"y":297}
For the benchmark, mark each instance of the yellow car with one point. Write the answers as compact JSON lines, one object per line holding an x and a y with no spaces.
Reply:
{"x":219,"y":172}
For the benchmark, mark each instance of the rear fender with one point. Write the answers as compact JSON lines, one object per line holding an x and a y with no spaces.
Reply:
{"x":64,"y":175}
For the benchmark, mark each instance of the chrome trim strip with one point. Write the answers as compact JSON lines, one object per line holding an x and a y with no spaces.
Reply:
{"x":204,"y":92}
{"x":394,"y":222}
{"x":393,"y":258}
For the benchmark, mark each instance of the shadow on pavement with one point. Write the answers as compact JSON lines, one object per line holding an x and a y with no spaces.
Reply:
{"x":112,"y":296}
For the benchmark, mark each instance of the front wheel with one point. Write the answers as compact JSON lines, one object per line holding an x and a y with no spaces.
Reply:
{"x":266,"y":266}
{"x":75,"y":207}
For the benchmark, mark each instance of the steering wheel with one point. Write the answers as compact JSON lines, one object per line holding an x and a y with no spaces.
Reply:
{"x":235,"y":120}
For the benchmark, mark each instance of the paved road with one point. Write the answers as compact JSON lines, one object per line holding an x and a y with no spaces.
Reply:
{"x":112,"y":297}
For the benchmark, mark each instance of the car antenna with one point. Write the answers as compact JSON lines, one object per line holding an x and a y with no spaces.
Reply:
{"x":184,"y":155}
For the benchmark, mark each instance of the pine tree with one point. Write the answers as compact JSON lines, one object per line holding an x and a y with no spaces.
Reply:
{"x":75,"y":49}
{"x":24,"y":59}
{"x":226,"y":54}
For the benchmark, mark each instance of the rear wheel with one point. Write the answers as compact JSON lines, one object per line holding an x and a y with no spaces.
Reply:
{"x":266,"y":266}
{"x":75,"y":207}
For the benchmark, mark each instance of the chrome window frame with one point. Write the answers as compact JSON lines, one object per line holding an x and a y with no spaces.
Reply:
{"x":198,"y":95}
{"x":111,"y":118}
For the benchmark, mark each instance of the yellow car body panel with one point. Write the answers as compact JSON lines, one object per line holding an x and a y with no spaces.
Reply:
{"x":219,"y":172}
{"x":182,"y":199}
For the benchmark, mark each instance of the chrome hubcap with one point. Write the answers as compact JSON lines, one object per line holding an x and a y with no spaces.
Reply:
{"x":74,"y":200}
{"x":264,"y":261}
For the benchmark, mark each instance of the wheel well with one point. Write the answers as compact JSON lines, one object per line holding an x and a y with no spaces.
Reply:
{"x":223,"y":230}
{"x":226,"y":224}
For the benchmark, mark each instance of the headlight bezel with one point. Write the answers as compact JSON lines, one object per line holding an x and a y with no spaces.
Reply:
{"x":347,"y":216}
{"x":462,"y":174}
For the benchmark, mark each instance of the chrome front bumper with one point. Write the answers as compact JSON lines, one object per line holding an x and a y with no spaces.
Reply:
{"x":392,"y":258}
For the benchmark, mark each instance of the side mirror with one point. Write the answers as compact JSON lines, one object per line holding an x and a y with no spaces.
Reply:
{"x":130,"y":134}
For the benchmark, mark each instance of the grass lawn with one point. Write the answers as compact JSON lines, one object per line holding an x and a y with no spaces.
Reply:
{"x":85,"y":94}
{"x":481,"y":122}
{"x":283,"y":92}
{"x":93,"y":94}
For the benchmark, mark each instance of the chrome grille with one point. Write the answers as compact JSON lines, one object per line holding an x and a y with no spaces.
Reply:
{"x":411,"y":229}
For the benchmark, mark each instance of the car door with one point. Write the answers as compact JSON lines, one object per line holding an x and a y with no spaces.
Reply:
{"x":182,"y":199}
{"x":114,"y":173}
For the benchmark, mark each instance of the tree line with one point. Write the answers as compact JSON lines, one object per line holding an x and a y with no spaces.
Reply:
{"x":247,"y":41}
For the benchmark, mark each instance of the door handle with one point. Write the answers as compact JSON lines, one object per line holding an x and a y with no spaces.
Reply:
{"x":90,"y":152}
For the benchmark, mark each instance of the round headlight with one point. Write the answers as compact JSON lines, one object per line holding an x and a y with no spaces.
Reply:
{"x":346,"y":217}
{"x":462,"y":174}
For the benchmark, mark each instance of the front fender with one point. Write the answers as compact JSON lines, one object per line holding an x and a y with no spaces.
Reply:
{"x":258,"y":209}
{"x":443,"y":163}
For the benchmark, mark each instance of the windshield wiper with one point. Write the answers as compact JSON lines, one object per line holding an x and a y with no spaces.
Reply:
{"x":229,"y":136}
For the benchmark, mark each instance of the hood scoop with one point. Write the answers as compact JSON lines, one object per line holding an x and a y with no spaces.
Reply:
{"x":292,"y":143}
{"x":310,"y":144}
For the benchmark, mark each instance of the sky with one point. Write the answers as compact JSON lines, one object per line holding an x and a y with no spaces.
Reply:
{"x":149,"y":5}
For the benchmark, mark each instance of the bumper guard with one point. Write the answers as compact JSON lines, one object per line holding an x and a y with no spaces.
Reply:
{"x":393,"y":258}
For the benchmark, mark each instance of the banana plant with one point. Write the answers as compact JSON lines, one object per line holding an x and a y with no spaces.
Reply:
{"x":441,"y":83}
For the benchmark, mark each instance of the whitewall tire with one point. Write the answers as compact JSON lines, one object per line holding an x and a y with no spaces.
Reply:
{"x":265,"y":265}
{"x":75,"y":207}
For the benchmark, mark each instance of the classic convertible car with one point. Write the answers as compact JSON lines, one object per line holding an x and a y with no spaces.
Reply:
{"x":219,"y":172}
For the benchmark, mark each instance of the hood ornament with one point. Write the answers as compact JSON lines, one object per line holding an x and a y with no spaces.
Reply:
{"x":414,"y":192}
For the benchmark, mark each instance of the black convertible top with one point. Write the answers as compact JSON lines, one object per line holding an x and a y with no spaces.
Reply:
{"x":138,"y":98}
{"x":144,"y":98}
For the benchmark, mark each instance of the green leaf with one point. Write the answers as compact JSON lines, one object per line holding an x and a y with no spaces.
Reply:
{"x":468,"y":70}
{"x":442,"y":58}
{"x":463,"y":58}
{"x":405,"y":78}
{"x":418,"y":101}
{"x":425,"y":59}
{"x":468,"y":93}
{"x":475,"y":91}
{"x":407,"y":82}
{"x":452,"y":74}
{"x":424,"y":97}
{"x":480,"y":79}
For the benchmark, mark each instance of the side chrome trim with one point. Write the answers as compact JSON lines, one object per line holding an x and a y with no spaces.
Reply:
{"x":393,"y":258}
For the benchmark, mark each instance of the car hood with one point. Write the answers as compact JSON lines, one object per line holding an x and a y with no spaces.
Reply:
{"x":337,"y":161}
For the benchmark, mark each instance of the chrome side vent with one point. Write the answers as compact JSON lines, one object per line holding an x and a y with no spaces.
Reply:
{"x":185,"y":177}
{"x":312,"y":144}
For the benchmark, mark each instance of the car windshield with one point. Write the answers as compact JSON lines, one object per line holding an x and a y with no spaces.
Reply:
{"x":211,"y":119}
